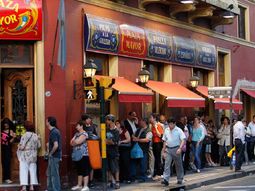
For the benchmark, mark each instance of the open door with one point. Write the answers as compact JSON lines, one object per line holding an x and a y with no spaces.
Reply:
{"x":18,"y":99}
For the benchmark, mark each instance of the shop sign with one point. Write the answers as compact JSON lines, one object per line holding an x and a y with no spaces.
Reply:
{"x":184,"y":50}
{"x":206,"y":54}
{"x":133,"y":41}
{"x":159,"y":45}
{"x":21,"y":19}
{"x":103,"y":35}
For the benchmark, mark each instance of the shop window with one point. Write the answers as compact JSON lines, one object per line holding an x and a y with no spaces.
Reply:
{"x":203,"y":76}
{"x":102,"y":62}
{"x":243,"y":23}
{"x":221,"y":69}
{"x":16,"y":53}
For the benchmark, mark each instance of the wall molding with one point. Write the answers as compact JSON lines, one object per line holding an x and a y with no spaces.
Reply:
{"x":167,"y":21}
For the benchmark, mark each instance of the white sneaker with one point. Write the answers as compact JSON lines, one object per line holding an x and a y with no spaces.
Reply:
{"x":85,"y":188}
{"x":76,"y":187}
{"x":198,"y":171}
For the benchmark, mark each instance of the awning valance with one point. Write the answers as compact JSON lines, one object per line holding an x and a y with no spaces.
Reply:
{"x":176,"y":94}
{"x":251,"y":93}
{"x":129,"y":91}
{"x":221,"y":103}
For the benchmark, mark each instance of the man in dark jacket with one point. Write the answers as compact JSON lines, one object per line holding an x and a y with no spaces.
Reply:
{"x":131,"y":123}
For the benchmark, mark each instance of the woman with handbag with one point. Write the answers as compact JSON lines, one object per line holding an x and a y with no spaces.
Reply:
{"x":27,"y":155}
{"x":124,"y":150}
{"x":80,"y":157}
{"x":139,"y":152}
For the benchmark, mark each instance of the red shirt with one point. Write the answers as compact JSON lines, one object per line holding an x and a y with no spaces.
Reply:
{"x":155,"y":137}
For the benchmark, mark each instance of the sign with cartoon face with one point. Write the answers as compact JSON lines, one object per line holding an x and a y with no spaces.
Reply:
{"x":21,"y":19}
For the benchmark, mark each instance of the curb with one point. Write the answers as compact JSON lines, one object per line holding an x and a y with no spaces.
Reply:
{"x":207,"y":182}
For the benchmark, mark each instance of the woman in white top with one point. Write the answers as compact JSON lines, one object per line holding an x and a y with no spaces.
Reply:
{"x":27,"y":155}
{"x":224,"y":141}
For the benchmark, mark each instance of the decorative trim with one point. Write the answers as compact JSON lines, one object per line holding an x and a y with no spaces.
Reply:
{"x":39,"y":90}
{"x":168,"y":21}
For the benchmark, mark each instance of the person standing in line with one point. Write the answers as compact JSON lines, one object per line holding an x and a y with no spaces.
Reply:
{"x":239,"y":140}
{"x":124,"y":150}
{"x":224,"y":141}
{"x":27,"y":155}
{"x":91,"y":130}
{"x":174,"y":140}
{"x":83,"y":165}
{"x":112,"y":148}
{"x":131,"y":123}
{"x":163,"y":121}
{"x":143,"y":137}
{"x":7,"y":138}
{"x":55,"y":155}
{"x":157,"y":144}
{"x":198,"y":135}
{"x":251,"y":126}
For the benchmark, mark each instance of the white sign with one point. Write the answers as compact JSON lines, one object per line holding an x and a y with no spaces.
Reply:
{"x":90,"y":94}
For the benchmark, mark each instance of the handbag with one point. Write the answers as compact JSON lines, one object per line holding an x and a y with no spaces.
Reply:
{"x":136,"y":152}
{"x":77,"y":154}
{"x":19,"y":151}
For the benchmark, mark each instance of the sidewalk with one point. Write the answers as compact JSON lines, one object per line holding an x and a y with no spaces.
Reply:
{"x":192,"y":180}
{"x":207,"y":176}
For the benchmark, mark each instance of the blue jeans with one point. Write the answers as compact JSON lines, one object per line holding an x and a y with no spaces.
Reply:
{"x":142,"y":164}
{"x":53,"y":178}
{"x":197,"y":153}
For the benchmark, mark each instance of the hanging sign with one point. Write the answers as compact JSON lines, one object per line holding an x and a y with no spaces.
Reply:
{"x":21,"y":20}
{"x":184,"y":50}
{"x":159,"y":45}
{"x":133,"y":41}
{"x":206,"y":54}
{"x":103,"y":35}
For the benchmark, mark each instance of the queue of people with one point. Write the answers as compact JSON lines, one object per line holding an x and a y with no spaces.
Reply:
{"x":137,"y":149}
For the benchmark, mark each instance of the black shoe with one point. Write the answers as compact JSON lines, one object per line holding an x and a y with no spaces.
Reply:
{"x":165,"y":182}
{"x":180,"y":182}
{"x":117,"y":186}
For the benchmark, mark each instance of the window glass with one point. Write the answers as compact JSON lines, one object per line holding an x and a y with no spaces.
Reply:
{"x":101,"y":61}
{"x":221,"y":69}
{"x":16,"y":53}
{"x":241,"y":23}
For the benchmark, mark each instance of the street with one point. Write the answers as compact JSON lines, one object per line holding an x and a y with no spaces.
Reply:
{"x":240,"y":184}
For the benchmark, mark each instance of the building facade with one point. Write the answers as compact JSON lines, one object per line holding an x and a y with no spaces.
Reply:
{"x":186,"y":33}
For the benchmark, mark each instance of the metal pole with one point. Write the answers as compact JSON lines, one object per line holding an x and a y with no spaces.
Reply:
{"x":230,"y":118}
{"x":103,"y":136}
{"x":0,"y":123}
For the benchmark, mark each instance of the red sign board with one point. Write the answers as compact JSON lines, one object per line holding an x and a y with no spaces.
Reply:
{"x":133,"y":41}
{"x":20,"y":19}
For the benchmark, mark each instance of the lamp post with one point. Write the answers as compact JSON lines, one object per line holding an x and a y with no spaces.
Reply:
{"x":187,"y":1}
{"x":144,"y":76}
{"x":194,"y":80}
{"x":89,"y":69}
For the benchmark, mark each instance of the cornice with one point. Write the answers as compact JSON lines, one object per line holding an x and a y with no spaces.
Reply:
{"x":168,"y":21}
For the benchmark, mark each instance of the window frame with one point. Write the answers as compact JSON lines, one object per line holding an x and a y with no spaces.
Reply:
{"x":246,"y":21}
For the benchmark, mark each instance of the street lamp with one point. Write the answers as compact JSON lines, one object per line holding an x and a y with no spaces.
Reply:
{"x":228,"y":15}
{"x":144,"y":76}
{"x":187,"y":1}
{"x":194,"y":80}
{"x":90,"y":68}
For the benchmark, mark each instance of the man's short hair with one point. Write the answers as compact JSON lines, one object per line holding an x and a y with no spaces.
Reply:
{"x":85,"y":116}
{"x":110,"y":117}
{"x":171,"y":120}
{"x":52,"y":121}
{"x":240,"y":117}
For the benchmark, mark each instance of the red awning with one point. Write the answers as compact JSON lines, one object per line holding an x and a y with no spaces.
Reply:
{"x":249,"y":92}
{"x":176,"y":94}
{"x":221,"y":103}
{"x":129,"y":91}
{"x":224,"y":103}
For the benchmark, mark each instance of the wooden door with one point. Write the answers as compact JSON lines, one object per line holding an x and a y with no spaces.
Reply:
{"x":18,"y":95}
{"x":18,"y":105}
